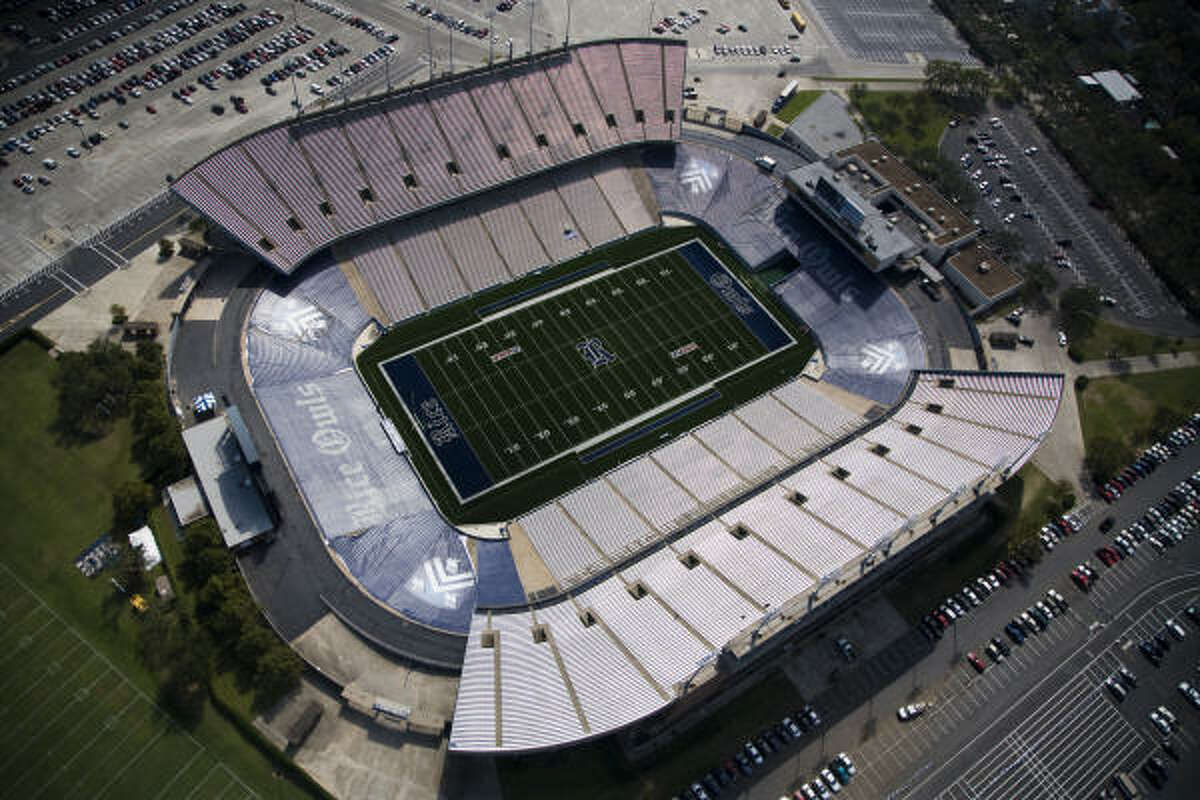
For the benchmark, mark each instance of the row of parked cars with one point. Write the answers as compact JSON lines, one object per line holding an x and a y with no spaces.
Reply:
{"x":141,"y":51}
{"x":1058,"y":529}
{"x":1149,"y":460}
{"x":449,"y":20}
{"x":1029,"y":622}
{"x":381,"y":33}
{"x":300,"y":65}
{"x":755,"y":752}
{"x":973,"y":595}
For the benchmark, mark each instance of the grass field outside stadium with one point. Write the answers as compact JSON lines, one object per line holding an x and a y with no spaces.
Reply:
{"x":526,"y":390}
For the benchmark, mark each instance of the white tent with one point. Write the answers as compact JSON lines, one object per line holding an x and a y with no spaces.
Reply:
{"x":144,"y":538}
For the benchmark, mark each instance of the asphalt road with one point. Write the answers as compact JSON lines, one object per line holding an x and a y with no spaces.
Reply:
{"x":83,"y":267}
{"x":1022,"y":717}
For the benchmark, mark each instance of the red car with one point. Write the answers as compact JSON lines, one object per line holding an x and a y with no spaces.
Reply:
{"x":1080,"y":578}
{"x":151,"y":110}
{"x":976,"y":662}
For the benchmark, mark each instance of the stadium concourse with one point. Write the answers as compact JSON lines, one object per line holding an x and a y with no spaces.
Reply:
{"x":606,"y":604}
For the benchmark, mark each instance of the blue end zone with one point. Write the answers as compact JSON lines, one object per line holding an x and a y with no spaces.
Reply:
{"x":497,"y":582}
{"x":441,"y":433}
{"x":740,"y":302}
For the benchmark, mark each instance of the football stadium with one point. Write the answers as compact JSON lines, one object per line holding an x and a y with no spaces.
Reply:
{"x":590,"y":410}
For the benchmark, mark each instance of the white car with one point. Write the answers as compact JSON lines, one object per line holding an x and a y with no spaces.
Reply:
{"x":1062,"y":339}
{"x":830,"y":781}
{"x":912,"y":711}
{"x":1163,"y":726}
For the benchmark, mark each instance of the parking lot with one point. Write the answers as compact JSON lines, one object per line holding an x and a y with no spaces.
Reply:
{"x":164,"y":122}
{"x":1024,"y":725}
{"x":1055,"y":218}
{"x":891,"y":31}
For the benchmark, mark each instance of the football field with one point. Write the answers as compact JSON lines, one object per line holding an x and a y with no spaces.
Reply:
{"x":71,"y":725}
{"x":571,"y":366}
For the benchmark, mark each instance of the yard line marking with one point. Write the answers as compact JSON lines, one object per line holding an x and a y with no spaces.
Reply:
{"x":179,"y":773}
{"x":82,"y":749}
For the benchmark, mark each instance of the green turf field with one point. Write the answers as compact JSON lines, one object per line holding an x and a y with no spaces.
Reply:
{"x":629,"y":426}
{"x":72,"y":725}
{"x":568,"y":368}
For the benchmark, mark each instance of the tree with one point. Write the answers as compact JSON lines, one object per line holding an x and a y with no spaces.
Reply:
{"x":1078,"y":310}
{"x":131,"y":501}
{"x":278,"y":675}
{"x":1106,"y":456}
{"x":858,"y":92}
{"x":119,"y":315}
{"x":93,"y":389}
{"x":131,"y":573}
{"x":166,"y":248}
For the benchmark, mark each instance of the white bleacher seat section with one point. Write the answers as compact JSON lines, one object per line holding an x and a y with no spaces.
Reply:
{"x":266,"y":211}
{"x":939,"y":465}
{"x":616,"y":183}
{"x":747,"y":563}
{"x":477,"y":157}
{"x":688,"y":612}
{"x":611,"y":690}
{"x":698,"y":471}
{"x":412,"y":121}
{"x":983,"y":444}
{"x":551,"y":221}
{"x":509,"y":229}
{"x":832,"y":501}
{"x":740,"y":448}
{"x":338,"y":170}
{"x":815,"y":407}
{"x":534,"y":704}
{"x":814,"y":546}
{"x":652,"y":492}
{"x":472,"y":250}
{"x":282,"y":163}
{"x":885,"y":481}
{"x":475,"y":707}
{"x":608,"y":522}
{"x":499,"y":110}
{"x":706,"y":602}
{"x":376,"y":259}
{"x":772,"y":420}
{"x":568,"y":555}
{"x":644,"y":70}
{"x":431,"y":267}
{"x":1021,"y":413}
{"x":667,"y":650}
{"x":674,"y":64}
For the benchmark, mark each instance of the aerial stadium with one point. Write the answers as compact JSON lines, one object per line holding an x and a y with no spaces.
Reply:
{"x":547,"y":414}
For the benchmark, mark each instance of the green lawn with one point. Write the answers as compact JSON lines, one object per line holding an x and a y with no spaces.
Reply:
{"x":56,"y":501}
{"x":775,"y":129}
{"x":796,"y":104}
{"x":909,"y":123}
{"x":1109,"y":337}
{"x":1124,"y":408}
{"x":598,"y":772}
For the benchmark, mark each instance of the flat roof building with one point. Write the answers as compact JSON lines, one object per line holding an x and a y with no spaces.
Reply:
{"x":223,"y":457}
{"x":981,"y":276}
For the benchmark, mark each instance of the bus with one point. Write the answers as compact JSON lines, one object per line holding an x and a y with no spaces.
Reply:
{"x":785,"y":95}
{"x":799,"y":22}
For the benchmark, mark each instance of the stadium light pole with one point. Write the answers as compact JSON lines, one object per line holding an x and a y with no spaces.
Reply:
{"x":491,"y":18}
{"x":532,"y":12}
{"x":567,"y":33}
{"x":295,"y":91}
